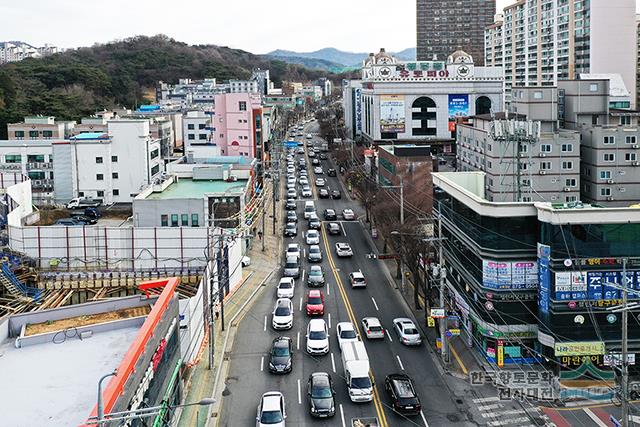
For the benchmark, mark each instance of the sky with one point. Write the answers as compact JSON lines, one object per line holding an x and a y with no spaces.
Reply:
{"x":253,"y":25}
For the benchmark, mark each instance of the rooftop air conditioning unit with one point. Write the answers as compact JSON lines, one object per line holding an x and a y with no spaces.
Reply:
{"x":543,"y":155}
{"x":543,"y":172}
{"x":609,"y":198}
{"x":636,"y":163}
{"x":567,"y":188}
{"x":609,"y":181}
{"x":634,"y":145}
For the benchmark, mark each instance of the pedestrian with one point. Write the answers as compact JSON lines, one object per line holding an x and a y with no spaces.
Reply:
{"x":260,"y":235}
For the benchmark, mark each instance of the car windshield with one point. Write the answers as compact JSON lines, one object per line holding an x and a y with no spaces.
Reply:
{"x":358,"y":279}
{"x":291,"y":265}
{"x":315,"y":273}
{"x":314,"y":250}
{"x":410,"y":331}
{"x":404,"y":389}
{"x":321,"y":392}
{"x":271,"y":417}
{"x":282,"y":311}
{"x":349,"y":333}
{"x":280,"y":351}
{"x":363,"y":382}
{"x":285,"y":285}
{"x":291,"y":226}
{"x":317,"y":335}
{"x":375,"y":328}
{"x":315,"y":300}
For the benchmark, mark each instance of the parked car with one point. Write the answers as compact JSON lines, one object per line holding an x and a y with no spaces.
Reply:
{"x":282,"y":315}
{"x":323,"y":156}
{"x":343,"y":250}
{"x":315,"y":162}
{"x":70,"y":222}
{"x":86,"y":219}
{"x":315,"y":276}
{"x":314,"y":254}
{"x":372,"y":328}
{"x":271,"y":410}
{"x":320,"y":182}
{"x":407,"y":331}
{"x":292,"y":193}
{"x":317,"y":337}
{"x":402,"y":393}
{"x":293,"y":250}
{"x":323,"y":193}
{"x":281,"y":356}
{"x":292,"y":216}
{"x":314,"y":222}
{"x":320,"y":394}
{"x":315,"y":303}
{"x":330,"y":215}
{"x":290,"y":205}
{"x":318,"y":170}
{"x":345,"y":332}
{"x":286,"y":287}
{"x":333,"y":228}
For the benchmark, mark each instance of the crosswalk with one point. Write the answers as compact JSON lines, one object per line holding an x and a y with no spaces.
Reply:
{"x":498,"y":413}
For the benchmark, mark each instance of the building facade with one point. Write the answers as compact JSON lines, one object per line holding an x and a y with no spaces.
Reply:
{"x":539,"y":42}
{"x":33,"y":159}
{"x":443,"y":27}
{"x":40,"y":127}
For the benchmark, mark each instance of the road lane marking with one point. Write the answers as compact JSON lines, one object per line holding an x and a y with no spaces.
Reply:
{"x":400,"y":362}
{"x":265,"y":323}
{"x":299,"y":394}
{"x":342,"y":416}
{"x":388,"y":336}
{"x":374,"y":304}
{"x":329,"y":320}
{"x":303,"y":271}
{"x":298,"y":341}
{"x":262,"y":364}
{"x":458,"y":359}
{"x":489,"y":407}
{"x":486,"y":399}
{"x":519,"y":421}
{"x":300,"y":308}
{"x":304,"y":254}
{"x":501,"y":413}
{"x":343,"y":230}
{"x":333,"y":363}
{"x":328,"y":289}
{"x":424,"y":420}
{"x":594,"y":417}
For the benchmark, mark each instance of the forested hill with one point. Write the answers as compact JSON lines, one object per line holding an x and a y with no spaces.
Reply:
{"x":79,"y":82}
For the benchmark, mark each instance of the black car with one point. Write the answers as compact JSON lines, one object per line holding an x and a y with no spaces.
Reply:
{"x":331,"y":172}
{"x":291,"y":229}
{"x":281,"y":360}
{"x":91,"y":220}
{"x":292,"y":217}
{"x":330,"y":215}
{"x":323,"y":156}
{"x":323,"y":193}
{"x":320,"y":394}
{"x":400,"y":389}
{"x":290,"y":205}
{"x":335,"y":194}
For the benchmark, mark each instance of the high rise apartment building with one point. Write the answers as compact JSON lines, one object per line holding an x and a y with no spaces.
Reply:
{"x":538,"y":42}
{"x":446,"y":26}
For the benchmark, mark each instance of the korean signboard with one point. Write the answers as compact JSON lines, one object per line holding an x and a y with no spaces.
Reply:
{"x":509,"y":275}
{"x":392,"y":116}
{"x":458,"y":106}
{"x":593,"y":285}
{"x":357,"y":95}
{"x":586,"y":348}
{"x":544,"y":278}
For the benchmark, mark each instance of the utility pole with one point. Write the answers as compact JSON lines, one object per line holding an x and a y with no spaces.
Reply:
{"x":264,"y":213}
{"x":207,"y":304}
{"x":443,"y":274}
{"x":401,"y":200}
{"x":625,"y":339}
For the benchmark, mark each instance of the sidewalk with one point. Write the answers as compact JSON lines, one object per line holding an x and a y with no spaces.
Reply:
{"x":201,"y":382}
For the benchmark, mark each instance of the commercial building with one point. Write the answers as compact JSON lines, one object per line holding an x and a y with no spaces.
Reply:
{"x":443,"y":27}
{"x":33,"y":159}
{"x":539,"y":42}
{"x":40,"y":127}
{"x":241,"y":86}
{"x":137,"y":335}
{"x":530,"y":282}
{"x":261,"y":77}
{"x":420,"y":102}
{"x":113,"y":166}
{"x":526,"y":156}
{"x":197,"y":129}
{"x":237,"y":125}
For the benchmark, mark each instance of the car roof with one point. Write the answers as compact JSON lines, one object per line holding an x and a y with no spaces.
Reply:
{"x":271,"y":401}
{"x":342,"y":244}
{"x":286,"y":279}
{"x":345,"y":325}
{"x":357,"y":274}
{"x":371,"y":320}
{"x":283,"y":302}
{"x":320,"y":378}
{"x":281,"y":340}
{"x":312,"y":232}
{"x":334,"y":224}
{"x":314,"y":293}
{"x":403,"y":320}
{"x":316,"y":267}
{"x":293,"y":245}
{"x":317,"y":324}
{"x":314,"y":247}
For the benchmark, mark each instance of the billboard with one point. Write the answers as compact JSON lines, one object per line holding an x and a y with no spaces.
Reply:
{"x":392,"y":118}
{"x":509,"y":275}
{"x":593,"y":285}
{"x":458,"y":106}
{"x":544,"y":277}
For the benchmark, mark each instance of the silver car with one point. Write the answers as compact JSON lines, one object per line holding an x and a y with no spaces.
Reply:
{"x":314,"y":254}
{"x":292,"y":267}
{"x":407,"y":331}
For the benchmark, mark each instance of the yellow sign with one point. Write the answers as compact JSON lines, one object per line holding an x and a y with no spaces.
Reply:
{"x":431,"y":322}
{"x":579,"y":348}
{"x":455,"y":332}
{"x":500,"y":356}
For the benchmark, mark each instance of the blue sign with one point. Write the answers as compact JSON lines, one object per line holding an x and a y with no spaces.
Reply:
{"x":458,"y":106}
{"x":544,"y":278}
{"x":291,"y":144}
{"x":611,"y":283}
{"x":594,"y":285}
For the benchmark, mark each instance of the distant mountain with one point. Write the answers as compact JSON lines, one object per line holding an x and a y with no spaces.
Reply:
{"x":312,"y":63}
{"x":346,"y":59}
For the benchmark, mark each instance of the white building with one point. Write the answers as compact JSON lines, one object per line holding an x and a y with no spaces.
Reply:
{"x":113,"y":166}
{"x":33,"y":159}
{"x":17,"y":51}
{"x":243,"y":86}
{"x":197,"y":130}
{"x":539,"y":42}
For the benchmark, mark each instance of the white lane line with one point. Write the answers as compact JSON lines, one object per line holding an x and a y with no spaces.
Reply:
{"x":298,"y":341}
{"x":265,"y":323}
{"x":521,"y":421}
{"x":388,"y":335}
{"x":489,"y":407}
{"x":300,"y":308}
{"x":424,"y":419}
{"x":343,"y":231}
{"x":328,"y":289}
{"x":342,"y":416}
{"x":329,"y":320}
{"x":486,"y":399}
{"x":303,"y":271}
{"x":304,"y":254}
{"x":262,"y":364}
{"x":333,"y":363}
{"x":299,"y":394}
{"x":400,"y":362}
{"x":501,"y":413}
{"x":594,"y":417}
{"x":374,"y":303}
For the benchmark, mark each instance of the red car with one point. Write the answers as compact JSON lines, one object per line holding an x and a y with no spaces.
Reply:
{"x":315,"y":303}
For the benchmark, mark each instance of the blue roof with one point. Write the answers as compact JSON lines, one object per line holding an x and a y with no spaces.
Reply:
{"x":149,"y":108}
{"x":90,"y":135}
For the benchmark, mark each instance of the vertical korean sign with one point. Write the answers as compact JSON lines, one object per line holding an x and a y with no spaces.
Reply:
{"x":392,"y":117}
{"x":357,"y":101}
{"x":458,"y":107}
{"x":500,"y":354}
{"x":544,"y":278}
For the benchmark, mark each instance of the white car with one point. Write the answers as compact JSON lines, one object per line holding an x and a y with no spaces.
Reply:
{"x":291,"y":169}
{"x":271,"y":410}
{"x":317,"y":337}
{"x":286,"y":287}
{"x":304,"y":181}
{"x":345,"y":332}
{"x":306,"y":192}
{"x":372,"y":328}
{"x":309,"y":136}
{"x":320,"y":182}
{"x":291,"y":185}
{"x":343,"y":249}
{"x":357,"y":280}
{"x":348,"y":214}
{"x":318,"y":170}
{"x":293,"y":250}
{"x":291,"y":193}
{"x":282,"y":316}
{"x":407,"y":331}
{"x":313,"y":237}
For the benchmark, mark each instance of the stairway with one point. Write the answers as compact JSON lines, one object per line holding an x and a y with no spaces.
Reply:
{"x":17,"y":288}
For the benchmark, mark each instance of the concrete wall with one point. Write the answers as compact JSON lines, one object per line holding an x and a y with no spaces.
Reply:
{"x":20,"y":193}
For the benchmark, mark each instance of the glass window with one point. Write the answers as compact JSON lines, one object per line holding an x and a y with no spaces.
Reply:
{"x":33,"y":158}
{"x":630,"y":157}
{"x":116,"y":192}
{"x":114,"y":159}
{"x":609,"y":140}
{"x":593,"y":87}
{"x":567,"y":165}
{"x":609,"y":157}
{"x":201,"y":126}
{"x":99,"y":177}
{"x":47,"y":133}
{"x":191,"y":136}
{"x":155,"y":169}
{"x":546,"y":165}
{"x":164,"y":220}
{"x":194,"y":220}
{"x":114,"y":175}
{"x":13,"y":158}
{"x":191,"y":126}
{"x":202,"y":136}
{"x":98,"y":159}
{"x":605,"y":191}
{"x":174,"y":220}
{"x":19,"y":134}
{"x":36,"y":175}
{"x":33,"y":134}
{"x":605,"y":174}
{"x":242,"y":106}
{"x":567,"y":148}
{"x":537,"y":94}
{"x":625,"y":120}
{"x":184,"y":219}
{"x":545,"y":148}
{"x":155,"y":153}
{"x":100,"y":193}
{"x":570,"y":182}
{"x":631,"y":139}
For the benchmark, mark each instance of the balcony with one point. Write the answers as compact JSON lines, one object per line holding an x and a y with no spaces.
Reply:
{"x":42,"y":184}
{"x":11,"y":166}
{"x":39,"y":165}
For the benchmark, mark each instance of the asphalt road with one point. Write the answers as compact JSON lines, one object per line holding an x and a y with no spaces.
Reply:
{"x":249,"y":377}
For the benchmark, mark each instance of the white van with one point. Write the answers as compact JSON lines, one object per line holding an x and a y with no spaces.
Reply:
{"x":309,"y":209}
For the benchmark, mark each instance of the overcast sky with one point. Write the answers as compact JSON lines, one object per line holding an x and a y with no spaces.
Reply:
{"x":253,"y":25}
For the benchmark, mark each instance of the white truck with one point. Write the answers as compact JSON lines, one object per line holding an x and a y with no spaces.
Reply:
{"x":83,"y":202}
{"x":356,"y":371}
